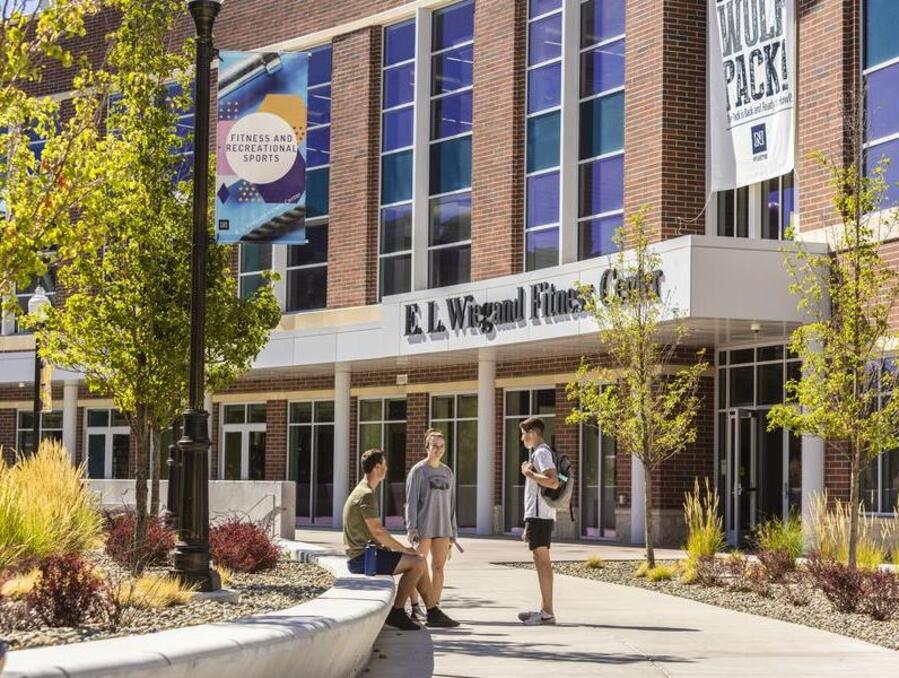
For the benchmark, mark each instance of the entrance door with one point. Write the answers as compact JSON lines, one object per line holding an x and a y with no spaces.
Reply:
{"x":108,"y":442}
{"x":597,"y":484}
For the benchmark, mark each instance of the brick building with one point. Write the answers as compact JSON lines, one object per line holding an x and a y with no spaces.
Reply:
{"x":463,"y":152}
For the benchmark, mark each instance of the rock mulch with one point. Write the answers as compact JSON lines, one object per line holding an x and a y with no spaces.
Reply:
{"x":288,"y":584}
{"x":818,"y":613}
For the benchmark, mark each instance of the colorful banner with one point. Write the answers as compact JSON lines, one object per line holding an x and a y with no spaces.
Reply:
{"x":261,"y":147}
{"x":752,"y":90}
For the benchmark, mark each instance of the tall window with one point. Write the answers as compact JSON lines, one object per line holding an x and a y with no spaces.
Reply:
{"x":51,"y":429}
{"x":397,"y":141}
{"x":449,"y":213}
{"x":255,"y":260}
{"x":544,"y":108}
{"x":880,"y":479}
{"x":762,"y":211}
{"x":108,"y":442}
{"x":881,"y":64}
{"x":382,"y":425}
{"x":601,"y":143}
{"x":310,"y":459}
{"x":307,"y":265}
{"x":457,"y":417}
{"x":243,"y":446}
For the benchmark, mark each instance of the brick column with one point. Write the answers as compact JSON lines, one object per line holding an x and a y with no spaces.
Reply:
{"x":353,"y":224}
{"x":665,"y":111}
{"x":567,"y":436}
{"x":8,"y":434}
{"x":497,"y":182}
{"x":829,"y":71}
{"x":276,"y":440}
{"x":214,"y":443}
{"x":416,"y":425}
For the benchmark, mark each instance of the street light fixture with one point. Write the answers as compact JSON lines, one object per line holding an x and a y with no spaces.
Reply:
{"x":37,"y":308}
{"x":192,"y":562}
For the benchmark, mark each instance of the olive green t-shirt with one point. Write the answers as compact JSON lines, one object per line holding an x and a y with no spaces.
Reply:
{"x":361,"y":504}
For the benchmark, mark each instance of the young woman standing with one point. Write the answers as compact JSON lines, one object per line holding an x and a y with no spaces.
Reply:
{"x":431,"y":510}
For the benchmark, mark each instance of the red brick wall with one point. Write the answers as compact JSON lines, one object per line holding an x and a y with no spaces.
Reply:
{"x":8,"y":434}
{"x":353,"y":223}
{"x":836,"y":471}
{"x":416,"y":425}
{"x":497,"y":220}
{"x":276,"y":440}
{"x":568,"y":438}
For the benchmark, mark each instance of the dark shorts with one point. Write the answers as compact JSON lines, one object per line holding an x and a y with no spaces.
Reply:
{"x":539,"y":532}
{"x":387,"y":562}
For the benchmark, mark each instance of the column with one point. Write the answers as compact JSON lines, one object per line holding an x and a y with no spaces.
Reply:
{"x":638,"y":501}
{"x":70,"y":416}
{"x":812,"y":475}
{"x":486,"y":440}
{"x":341,"y":441}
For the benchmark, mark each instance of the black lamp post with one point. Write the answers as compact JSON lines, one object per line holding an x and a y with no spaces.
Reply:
{"x":192,"y":563}
{"x":37,"y":304}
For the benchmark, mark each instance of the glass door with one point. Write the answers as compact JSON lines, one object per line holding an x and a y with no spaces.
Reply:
{"x":233,"y":445}
{"x":108,"y":444}
{"x":96,"y":455}
{"x":598,"y":460}
{"x":311,"y":460}
{"x":741,"y":474}
{"x":382,"y":425}
{"x":243,"y":451}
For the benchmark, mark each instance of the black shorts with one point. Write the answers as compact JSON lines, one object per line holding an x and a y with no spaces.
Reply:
{"x":539,"y":532}
{"x":387,"y":562}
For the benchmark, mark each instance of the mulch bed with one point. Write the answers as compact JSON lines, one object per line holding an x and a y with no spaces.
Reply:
{"x":818,"y":613}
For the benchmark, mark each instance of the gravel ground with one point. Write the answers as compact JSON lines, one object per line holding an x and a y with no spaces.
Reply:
{"x":818,"y":613}
{"x":288,"y":584}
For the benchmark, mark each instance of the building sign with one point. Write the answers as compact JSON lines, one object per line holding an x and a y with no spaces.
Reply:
{"x":261,"y":147}
{"x":752,"y":90}
{"x":536,"y":302}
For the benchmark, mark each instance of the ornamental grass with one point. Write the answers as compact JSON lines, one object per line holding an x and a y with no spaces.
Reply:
{"x":154,"y":592}
{"x":705,"y":530}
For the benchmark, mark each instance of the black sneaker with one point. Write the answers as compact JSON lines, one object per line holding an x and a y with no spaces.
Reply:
{"x":400,"y":620}
{"x":437,"y":619}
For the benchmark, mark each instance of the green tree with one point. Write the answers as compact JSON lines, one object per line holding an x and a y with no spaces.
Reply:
{"x":125,"y":323}
{"x":849,"y":297}
{"x":642,"y":395}
{"x":38,"y":195}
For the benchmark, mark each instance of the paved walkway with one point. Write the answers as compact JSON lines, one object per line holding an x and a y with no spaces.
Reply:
{"x":603,"y":630}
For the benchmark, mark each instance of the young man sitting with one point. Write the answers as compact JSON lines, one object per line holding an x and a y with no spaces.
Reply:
{"x":362,"y":523}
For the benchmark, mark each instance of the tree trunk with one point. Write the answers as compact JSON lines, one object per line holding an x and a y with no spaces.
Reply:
{"x":142,"y":434}
{"x":647,"y":518}
{"x":853,"y":503}
{"x":155,"y":461}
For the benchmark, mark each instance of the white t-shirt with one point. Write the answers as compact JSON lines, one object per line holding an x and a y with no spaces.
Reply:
{"x":535,"y":505}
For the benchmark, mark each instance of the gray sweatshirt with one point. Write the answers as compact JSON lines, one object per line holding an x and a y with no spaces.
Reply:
{"x":431,"y":501}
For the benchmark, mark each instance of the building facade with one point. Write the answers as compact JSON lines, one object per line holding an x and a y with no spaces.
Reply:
{"x":468,"y":164}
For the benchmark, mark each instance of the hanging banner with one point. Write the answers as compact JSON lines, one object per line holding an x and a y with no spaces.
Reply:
{"x":260,"y":191}
{"x":752,"y":90}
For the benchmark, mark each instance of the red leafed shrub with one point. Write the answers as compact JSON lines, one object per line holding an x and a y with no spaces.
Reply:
{"x":777,"y":563}
{"x":881,"y":595}
{"x":120,"y":541}
{"x":67,"y":592}
{"x":843,"y":587}
{"x":242,"y":546}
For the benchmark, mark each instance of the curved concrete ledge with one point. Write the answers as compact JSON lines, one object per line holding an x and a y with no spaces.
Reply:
{"x":329,"y":636}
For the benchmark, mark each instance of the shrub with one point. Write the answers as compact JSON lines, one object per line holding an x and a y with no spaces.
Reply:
{"x":842,"y":586}
{"x":642,"y":570}
{"x":595,"y":563}
{"x":798,"y":590}
{"x":688,"y":573}
{"x":20,"y":585}
{"x":242,"y":546}
{"x":154,"y":592}
{"x":709,"y":571}
{"x":661,"y":573}
{"x":880,"y":598}
{"x":776,"y":563}
{"x":67,"y":592}
{"x":45,"y":508}
{"x":120,"y":541}
{"x":776,"y":535}
{"x":705,"y":533}
{"x":758,"y":581}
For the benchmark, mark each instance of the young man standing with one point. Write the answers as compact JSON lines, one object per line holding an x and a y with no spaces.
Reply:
{"x":362,"y":523}
{"x":539,"y":518}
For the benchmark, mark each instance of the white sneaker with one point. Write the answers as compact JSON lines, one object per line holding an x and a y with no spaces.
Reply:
{"x":539,"y":618}
{"x":522,"y":616}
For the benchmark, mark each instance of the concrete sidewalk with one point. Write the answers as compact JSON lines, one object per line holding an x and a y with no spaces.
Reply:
{"x":603,"y":629}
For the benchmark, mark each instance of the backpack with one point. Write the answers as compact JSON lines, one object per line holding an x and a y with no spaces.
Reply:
{"x":560,"y":497}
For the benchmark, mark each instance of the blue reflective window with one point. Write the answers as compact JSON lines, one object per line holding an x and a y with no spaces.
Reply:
{"x":396,"y":274}
{"x":399,"y":42}
{"x":545,"y":39}
{"x":595,"y":236}
{"x":601,"y":20}
{"x":396,"y":229}
{"x":451,"y":115}
{"x":544,"y":87}
{"x":602,"y":125}
{"x":452,"y":70}
{"x":543,"y":142}
{"x":317,"y":186}
{"x":601,"y":186}
{"x":538,"y":7}
{"x":398,"y":126}
{"x":453,"y":25}
{"x":315,"y":251}
{"x":450,"y":219}
{"x":449,"y":266}
{"x":602,"y":69}
{"x":399,"y":85}
{"x":542,"y":249}
{"x":318,"y":147}
{"x":875,"y":154}
{"x":450,"y":165}
{"x":881,"y":20}
{"x":320,"y":105}
{"x":320,"y":66}
{"x":396,"y":177}
{"x":883,"y":102}
{"x":542,"y":199}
